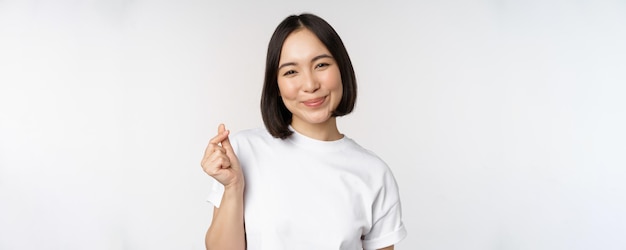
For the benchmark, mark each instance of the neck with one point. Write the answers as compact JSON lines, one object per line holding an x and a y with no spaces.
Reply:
{"x":326,"y":131}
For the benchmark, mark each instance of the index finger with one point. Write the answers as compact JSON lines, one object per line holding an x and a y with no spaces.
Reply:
{"x":222,"y":133}
{"x":215,"y":142}
{"x":219,"y":138}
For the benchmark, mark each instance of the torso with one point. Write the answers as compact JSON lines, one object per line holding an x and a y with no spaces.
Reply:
{"x":306,"y":194}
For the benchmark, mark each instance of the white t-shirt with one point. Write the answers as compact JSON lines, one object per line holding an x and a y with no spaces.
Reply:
{"x":303,"y":193}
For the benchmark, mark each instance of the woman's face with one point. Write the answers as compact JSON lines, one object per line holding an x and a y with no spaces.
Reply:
{"x":308,"y":78}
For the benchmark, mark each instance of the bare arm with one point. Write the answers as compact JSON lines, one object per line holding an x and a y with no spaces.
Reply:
{"x":220,"y":162}
{"x":227,"y":228}
{"x":387,"y":248}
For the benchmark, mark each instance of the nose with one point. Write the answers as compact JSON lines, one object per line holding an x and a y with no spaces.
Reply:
{"x":310,"y":83}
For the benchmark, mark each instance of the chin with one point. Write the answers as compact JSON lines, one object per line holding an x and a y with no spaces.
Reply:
{"x":319,"y":119}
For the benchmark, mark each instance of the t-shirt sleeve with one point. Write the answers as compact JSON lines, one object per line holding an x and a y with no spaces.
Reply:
{"x":215,"y":192}
{"x":387,"y":227}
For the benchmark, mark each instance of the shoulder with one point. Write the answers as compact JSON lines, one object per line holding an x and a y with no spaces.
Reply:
{"x":253,"y":133}
{"x":365,"y":155}
{"x":251,"y":138}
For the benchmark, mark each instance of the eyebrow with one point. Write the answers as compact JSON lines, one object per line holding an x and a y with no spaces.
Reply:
{"x":312,"y":60}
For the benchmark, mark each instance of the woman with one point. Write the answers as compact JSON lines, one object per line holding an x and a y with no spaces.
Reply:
{"x":299,"y":183}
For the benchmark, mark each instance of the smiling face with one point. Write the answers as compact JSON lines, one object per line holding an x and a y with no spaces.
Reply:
{"x":308,"y":79}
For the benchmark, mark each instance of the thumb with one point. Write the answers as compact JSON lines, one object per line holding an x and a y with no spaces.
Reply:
{"x":226,"y":142}
{"x":230,"y":152}
{"x":221,"y":128}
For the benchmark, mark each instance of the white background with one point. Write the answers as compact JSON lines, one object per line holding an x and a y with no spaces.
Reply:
{"x":503,"y":121}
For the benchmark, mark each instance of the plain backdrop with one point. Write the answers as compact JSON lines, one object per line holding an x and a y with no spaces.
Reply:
{"x":503,"y":121}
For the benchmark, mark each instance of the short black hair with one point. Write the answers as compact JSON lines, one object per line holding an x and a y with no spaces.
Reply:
{"x":276,"y":116}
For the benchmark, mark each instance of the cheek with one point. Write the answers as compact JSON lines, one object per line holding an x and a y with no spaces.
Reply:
{"x":333,"y":80}
{"x":287,"y":90}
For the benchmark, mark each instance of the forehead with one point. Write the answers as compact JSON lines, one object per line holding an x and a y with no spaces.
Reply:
{"x":302,"y":44}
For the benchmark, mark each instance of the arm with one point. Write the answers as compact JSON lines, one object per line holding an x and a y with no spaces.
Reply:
{"x":387,"y":248}
{"x":227,"y":228}
{"x":220,"y":162}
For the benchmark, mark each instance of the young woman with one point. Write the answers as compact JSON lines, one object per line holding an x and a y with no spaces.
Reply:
{"x":300,"y":183}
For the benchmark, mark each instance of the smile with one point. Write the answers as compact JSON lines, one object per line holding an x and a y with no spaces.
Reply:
{"x":312,"y":103}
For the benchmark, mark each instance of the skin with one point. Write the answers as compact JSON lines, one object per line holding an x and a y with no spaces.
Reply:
{"x":310,"y":85}
{"x":219,"y":161}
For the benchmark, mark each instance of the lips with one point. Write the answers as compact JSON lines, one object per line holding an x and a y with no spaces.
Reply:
{"x":314,"y":102}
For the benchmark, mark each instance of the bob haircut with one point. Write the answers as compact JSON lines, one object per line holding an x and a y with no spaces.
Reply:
{"x":276,"y":116}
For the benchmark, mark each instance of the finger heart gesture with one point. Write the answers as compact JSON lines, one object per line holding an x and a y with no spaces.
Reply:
{"x":220,"y":161}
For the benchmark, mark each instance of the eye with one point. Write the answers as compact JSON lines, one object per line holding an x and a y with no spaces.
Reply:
{"x":289,"y":72}
{"x":321,"y":65}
